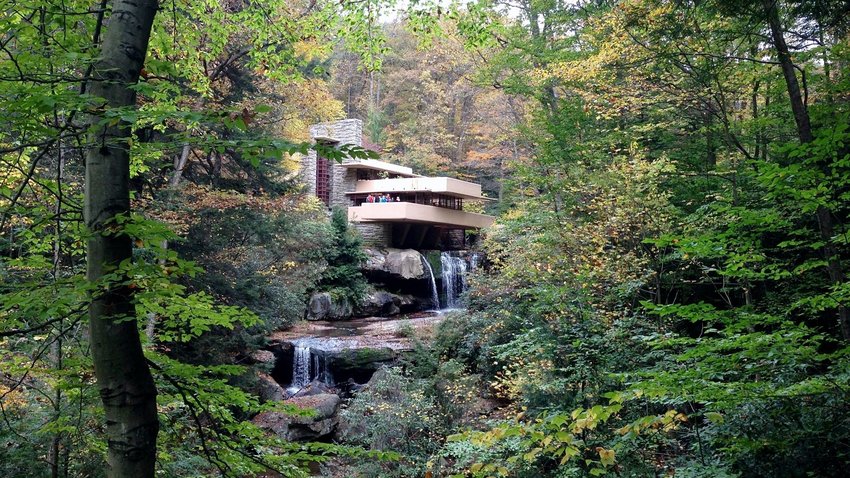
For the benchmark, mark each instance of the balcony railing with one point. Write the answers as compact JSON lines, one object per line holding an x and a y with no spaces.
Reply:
{"x":428,"y":199}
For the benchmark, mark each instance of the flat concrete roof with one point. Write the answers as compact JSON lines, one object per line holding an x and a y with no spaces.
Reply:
{"x":376,"y":165}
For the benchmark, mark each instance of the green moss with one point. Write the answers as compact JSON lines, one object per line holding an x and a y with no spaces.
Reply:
{"x":364,"y":358}
{"x":433,"y":258}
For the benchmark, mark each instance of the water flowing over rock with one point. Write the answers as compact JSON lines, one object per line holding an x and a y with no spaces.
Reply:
{"x":318,"y":362}
{"x":453,"y":278}
{"x":307,"y":365}
{"x":300,"y":368}
{"x":475,"y":259}
{"x":435,"y":296}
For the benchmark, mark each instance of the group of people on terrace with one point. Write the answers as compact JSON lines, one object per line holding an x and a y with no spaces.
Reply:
{"x":382,"y":198}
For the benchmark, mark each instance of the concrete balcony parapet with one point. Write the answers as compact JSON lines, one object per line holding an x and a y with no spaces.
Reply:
{"x":437,"y":185}
{"x":417,"y":213}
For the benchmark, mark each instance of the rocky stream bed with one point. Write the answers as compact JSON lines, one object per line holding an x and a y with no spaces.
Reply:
{"x":318,"y":364}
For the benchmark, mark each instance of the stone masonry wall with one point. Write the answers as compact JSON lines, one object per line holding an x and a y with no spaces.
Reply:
{"x":348,"y":131}
{"x":376,"y":234}
{"x":454,"y":239}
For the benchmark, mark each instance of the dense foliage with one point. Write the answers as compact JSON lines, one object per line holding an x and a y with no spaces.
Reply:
{"x":344,"y":256}
{"x":666,"y":294}
{"x":224,"y":246}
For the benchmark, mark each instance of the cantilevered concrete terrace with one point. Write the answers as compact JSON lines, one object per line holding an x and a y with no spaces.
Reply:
{"x":417,"y":213}
{"x":415,"y":199}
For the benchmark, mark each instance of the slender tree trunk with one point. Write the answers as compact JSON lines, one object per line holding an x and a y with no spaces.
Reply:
{"x":179,"y":165}
{"x":54,"y":455}
{"x":754,"y":104}
{"x":804,"y":132}
{"x":763,"y":133}
{"x":378,"y":93}
{"x":124,"y":380}
{"x":798,"y":106}
{"x":710,"y":146}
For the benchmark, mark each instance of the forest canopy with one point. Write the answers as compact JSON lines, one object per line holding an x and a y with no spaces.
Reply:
{"x":664,"y":293}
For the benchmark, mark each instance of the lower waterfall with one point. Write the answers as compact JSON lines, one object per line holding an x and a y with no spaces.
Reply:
{"x":300,"y":367}
{"x":454,"y":278}
{"x":306,"y":367}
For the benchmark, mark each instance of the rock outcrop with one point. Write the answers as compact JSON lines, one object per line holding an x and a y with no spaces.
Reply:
{"x":378,"y":303}
{"x":358,"y":364}
{"x":397,"y":263}
{"x":268,"y":389}
{"x":293,"y":427}
{"x":381,"y":303}
{"x":322,"y":306}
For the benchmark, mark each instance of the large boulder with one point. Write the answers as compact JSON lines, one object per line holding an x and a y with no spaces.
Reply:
{"x":268,"y":389}
{"x":262,"y":357}
{"x":295,"y":427}
{"x":316,"y":387}
{"x":323,"y":306}
{"x":379,"y":303}
{"x":358,"y":364}
{"x":398,"y":263}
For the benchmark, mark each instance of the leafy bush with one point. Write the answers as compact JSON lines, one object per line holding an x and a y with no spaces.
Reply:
{"x":393,"y":413}
{"x":344,"y":255}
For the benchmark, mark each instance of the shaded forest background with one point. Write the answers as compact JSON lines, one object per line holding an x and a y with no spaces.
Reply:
{"x":665,"y":291}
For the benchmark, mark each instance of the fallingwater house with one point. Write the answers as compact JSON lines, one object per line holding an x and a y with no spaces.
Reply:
{"x":425,"y":212}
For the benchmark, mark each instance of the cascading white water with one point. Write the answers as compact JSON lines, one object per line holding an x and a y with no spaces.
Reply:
{"x":310,"y":362}
{"x":454,"y":278}
{"x":300,"y":367}
{"x":435,"y":296}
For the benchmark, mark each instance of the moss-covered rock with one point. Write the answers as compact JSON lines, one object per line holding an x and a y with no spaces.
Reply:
{"x":358,"y":364}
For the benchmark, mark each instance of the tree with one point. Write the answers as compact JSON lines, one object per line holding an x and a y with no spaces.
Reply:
{"x":824,"y":214}
{"x":45,"y":95}
{"x":125,"y":382}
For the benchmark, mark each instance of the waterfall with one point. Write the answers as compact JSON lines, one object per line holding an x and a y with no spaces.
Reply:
{"x":300,"y":367}
{"x":435,"y":296}
{"x":454,"y":278}
{"x":308,"y":364}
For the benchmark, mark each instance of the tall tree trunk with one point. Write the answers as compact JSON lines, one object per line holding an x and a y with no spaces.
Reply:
{"x":124,"y":380}
{"x":804,"y":132}
{"x":754,"y":103}
{"x":179,"y":165}
{"x":798,"y":106}
{"x":764,"y":142}
{"x":710,"y":145}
